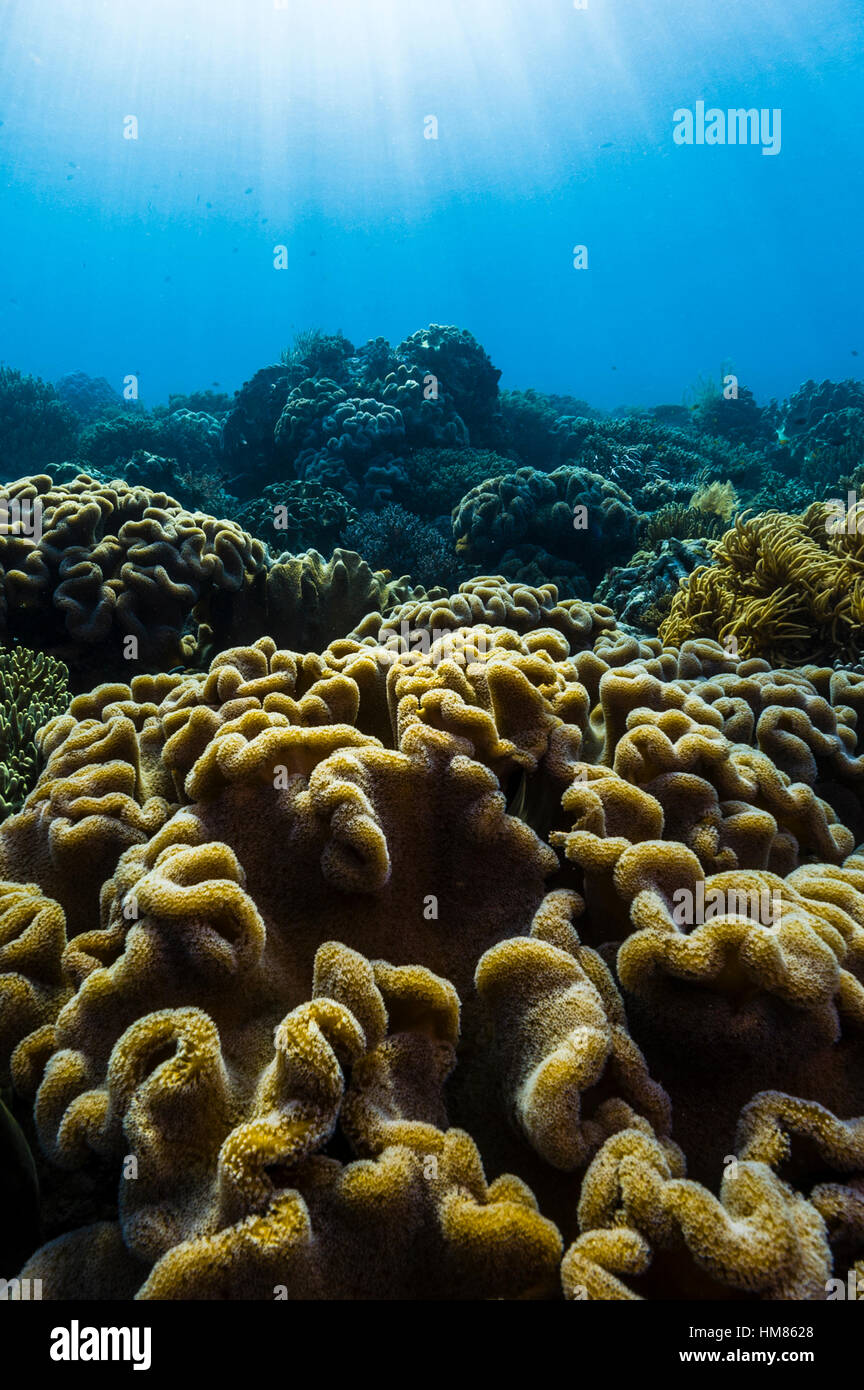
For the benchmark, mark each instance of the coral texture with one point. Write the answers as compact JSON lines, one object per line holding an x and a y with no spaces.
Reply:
{"x":111,"y":563}
{"x":320,"y":959}
{"x":438,"y":934}
{"x":33,"y":689}
{"x":785,"y":587}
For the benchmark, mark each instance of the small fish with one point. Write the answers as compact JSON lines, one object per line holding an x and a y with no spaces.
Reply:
{"x":264,"y":220}
{"x":608,"y":145}
{"x":234,"y":250}
{"x":215,"y":383}
{"x":782,"y":436}
{"x":613,"y":369}
{"x":854,"y":353}
{"x":208,"y":205}
{"x":167,"y":278}
{"x":313,"y":253}
{"x":247,"y":190}
{"x":197,"y":197}
{"x":71,"y":165}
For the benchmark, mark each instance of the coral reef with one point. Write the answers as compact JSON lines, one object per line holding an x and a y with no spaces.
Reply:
{"x":462,"y":369}
{"x":247,"y":431}
{"x":674,"y":522}
{"x":314,"y":353}
{"x":309,"y":601}
{"x":435,"y":480}
{"x":736,"y":417}
{"x":191,"y":438}
{"x":369,"y":934}
{"x":37,"y":428}
{"x":341,"y":417}
{"x":645,"y":588}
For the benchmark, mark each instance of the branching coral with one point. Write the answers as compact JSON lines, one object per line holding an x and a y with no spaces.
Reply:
{"x":788,"y":588}
{"x":406,"y":542}
{"x":32,"y":690}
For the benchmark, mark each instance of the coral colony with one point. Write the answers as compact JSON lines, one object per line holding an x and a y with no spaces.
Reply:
{"x":555,"y":987}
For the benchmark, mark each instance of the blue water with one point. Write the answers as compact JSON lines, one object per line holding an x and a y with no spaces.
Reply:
{"x":304,"y":127}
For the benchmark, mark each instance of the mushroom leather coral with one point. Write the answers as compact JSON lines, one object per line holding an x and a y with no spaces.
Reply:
{"x":371,"y":958}
{"x":113,"y":562}
{"x":263,"y":1209}
{"x":640,"y":1216}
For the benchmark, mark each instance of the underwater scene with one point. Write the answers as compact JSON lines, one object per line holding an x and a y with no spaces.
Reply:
{"x":432,"y":665}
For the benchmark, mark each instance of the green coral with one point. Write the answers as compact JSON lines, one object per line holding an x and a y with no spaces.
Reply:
{"x":33,"y":689}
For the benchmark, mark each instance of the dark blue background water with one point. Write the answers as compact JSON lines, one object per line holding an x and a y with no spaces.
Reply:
{"x":304,"y":126}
